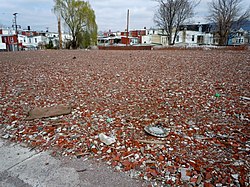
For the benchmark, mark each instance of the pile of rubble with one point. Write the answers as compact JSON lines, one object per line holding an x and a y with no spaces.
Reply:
{"x":168,"y":117}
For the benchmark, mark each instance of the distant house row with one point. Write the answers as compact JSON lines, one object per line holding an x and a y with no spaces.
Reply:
{"x":188,"y":35}
{"x":30,"y":40}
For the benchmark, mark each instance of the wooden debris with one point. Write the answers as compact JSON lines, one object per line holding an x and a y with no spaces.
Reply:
{"x":152,"y":142}
{"x":45,"y":112}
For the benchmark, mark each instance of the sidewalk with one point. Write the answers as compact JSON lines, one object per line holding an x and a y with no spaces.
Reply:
{"x":20,"y":167}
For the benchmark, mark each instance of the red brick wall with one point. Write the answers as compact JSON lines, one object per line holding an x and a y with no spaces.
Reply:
{"x":134,"y":33}
{"x":125,"y":47}
{"x":9,"y":39}
{"x":125,"y":40}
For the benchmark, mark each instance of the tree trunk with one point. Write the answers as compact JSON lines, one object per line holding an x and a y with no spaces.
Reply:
{"x":175,"y":35}
{"x":74,"y":45}
{"x":170,"y":39}
{"x":223,"y":39}
{"x":170,"y":35}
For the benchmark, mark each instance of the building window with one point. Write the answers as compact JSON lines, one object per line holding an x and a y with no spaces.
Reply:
{"x":24,"y":40}
{"x":177,"y":38}
{"x":192,"y":38}
{"x":29,"y":40}
{"x":200,"y":40}
{"x":35,"y":40}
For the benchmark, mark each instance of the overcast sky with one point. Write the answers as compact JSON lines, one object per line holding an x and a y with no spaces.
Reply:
{"x":110,"y":14}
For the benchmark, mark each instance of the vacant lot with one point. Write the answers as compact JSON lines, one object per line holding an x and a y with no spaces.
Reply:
{"x":201,"y":96}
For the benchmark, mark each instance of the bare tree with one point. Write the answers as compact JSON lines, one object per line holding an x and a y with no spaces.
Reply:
{"x":225,"y":14}
{"x":173,"y":13}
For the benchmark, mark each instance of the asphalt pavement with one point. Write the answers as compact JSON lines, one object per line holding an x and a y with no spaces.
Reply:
{"x":22,"y":167}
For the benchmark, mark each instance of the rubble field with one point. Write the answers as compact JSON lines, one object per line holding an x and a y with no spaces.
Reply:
{"x":200,"y":97}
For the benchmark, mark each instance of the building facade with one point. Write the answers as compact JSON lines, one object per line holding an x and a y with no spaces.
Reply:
{"x":239,"y":37}
{"x":27,"y":39}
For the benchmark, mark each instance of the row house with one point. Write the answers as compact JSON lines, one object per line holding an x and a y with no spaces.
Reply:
{"x":108,"y":38}
{"x":239,"y":37}
{"x":29,"y":40}
{"x":54,"y":38}
{"x":133,"y":37}
{"x":155,"y":37}
{"x":2,"y":45}
{"x":8,"y":40}
{"x":194,"y":35}
{"x":11,"y":42}
{"x":26,"y":37}
{"x":188,"y":35}
{"x":33,"y":40}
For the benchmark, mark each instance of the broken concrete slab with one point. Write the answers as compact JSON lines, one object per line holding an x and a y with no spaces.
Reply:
{"x":21,"y":167}
{"x":32,"y":168}
{"x":7,"y":180}
{"x":45,"y":112}
{"x":44,"y":170}
{"x":12,"y":154}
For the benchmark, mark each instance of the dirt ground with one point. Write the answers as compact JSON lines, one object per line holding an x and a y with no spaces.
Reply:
{"x":200,"y":97}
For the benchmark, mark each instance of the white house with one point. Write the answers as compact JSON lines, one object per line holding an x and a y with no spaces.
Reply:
{"x":188,"y":35}
{"x":8,"y":39}
{"x":54,"y":37}
{"x":155,"y":37}
{"x":239,"y":37}
{"x":32,"y":42}
{"x":194,"y":35}
{"x":2,"y":45}
{"x":7,"y":31}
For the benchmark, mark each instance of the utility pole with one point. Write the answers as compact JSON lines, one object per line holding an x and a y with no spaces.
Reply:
{"x":59,"y":32}
{"x":127,"y":27}
{"x":15,"y":25}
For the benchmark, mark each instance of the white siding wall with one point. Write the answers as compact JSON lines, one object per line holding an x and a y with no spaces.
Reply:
{"x":31,"y":41}
{"x":2,"y":45}
{"x":208,"y":39}
{"x":146,"y":39}
{"x":191,"y":38}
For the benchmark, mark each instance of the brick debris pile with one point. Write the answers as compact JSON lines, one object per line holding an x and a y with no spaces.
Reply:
{"x":200,"y":97}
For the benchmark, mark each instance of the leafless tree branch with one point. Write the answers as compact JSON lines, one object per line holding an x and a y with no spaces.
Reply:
{"x":173,"y":13}
{"x":225,"y":13}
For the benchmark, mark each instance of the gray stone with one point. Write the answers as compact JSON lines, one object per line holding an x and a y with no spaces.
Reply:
{"x":184,"y":177}
{"x":235,"y":176}
{"x":6,"y":136}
